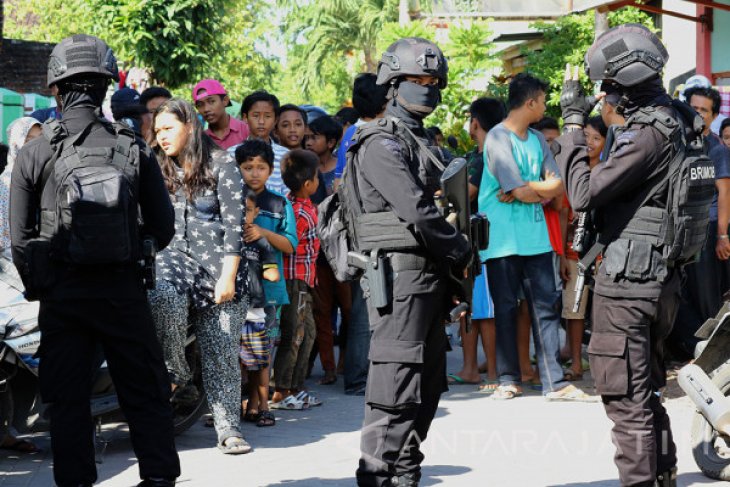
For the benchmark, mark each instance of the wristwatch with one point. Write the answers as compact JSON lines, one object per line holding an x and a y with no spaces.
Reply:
{"x":722,"y":237}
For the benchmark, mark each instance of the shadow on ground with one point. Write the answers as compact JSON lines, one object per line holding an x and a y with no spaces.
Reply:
{"x":429,"y":472}
{"x":683,"y":480}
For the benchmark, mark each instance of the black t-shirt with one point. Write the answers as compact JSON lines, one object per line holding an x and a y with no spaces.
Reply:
{"x":720,"y":155}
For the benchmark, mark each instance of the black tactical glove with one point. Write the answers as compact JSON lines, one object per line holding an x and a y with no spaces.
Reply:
{"x":575,"y":106}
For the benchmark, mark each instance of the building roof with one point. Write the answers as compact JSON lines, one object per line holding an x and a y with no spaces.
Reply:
{"x":510,"y":9}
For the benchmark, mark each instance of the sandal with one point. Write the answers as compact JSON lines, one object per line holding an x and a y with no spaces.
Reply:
{"x":235,"y":445}
{"x":489,"y":387}
{"x":289,"y":402}
{"x":251,"y":417}
{"x":21,"y":446}
{"x":503,"y":393}
{"x":308,"y":398}
{"x":570,"y":393}
{"x":266,"y":418}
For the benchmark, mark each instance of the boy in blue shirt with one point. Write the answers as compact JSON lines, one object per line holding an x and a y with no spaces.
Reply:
{"x":275,"y":221}
{"x":519,"y":173}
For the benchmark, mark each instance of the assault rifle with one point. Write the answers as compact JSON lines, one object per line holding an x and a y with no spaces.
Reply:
{"x":455,"y":192}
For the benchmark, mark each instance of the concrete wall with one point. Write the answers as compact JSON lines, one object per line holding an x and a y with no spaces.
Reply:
{"x":679,"y":35}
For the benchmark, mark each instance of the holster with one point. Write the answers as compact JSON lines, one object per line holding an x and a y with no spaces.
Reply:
{"x":379,"y":270}
{"x":40,"y":274}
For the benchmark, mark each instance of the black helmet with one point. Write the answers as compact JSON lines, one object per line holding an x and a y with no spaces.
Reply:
{"x":81,"y":54}
{"x":627,"y":54}
{"x":412,"y":56}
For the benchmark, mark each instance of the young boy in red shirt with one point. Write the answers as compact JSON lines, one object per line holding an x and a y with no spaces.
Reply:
{"x":298,"y":330}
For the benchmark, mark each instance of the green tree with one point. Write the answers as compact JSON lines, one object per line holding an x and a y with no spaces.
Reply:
{"x":175,"y":38}
{"x":47,"y":20}
{"x":242,"y":66}
{"x":566,"y":41}
{"x":392,"y":31}
{"x":343,"y":31}
{"x":471,"y":61}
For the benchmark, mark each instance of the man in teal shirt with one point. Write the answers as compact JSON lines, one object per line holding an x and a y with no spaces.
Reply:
{"x":519,"y":173}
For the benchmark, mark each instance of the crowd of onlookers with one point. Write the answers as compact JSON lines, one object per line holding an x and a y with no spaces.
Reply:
{"x":266,"y":171}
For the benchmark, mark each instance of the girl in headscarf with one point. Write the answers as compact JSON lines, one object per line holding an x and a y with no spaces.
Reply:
{"x":19,"y":133}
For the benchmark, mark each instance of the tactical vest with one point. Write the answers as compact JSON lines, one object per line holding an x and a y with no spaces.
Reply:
{"x":384,"y":230}
{"x":680,"y":227}
{"x":344,"y":226}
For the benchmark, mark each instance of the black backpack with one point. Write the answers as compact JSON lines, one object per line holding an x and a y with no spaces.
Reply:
{"x":337,"y":215}
{"x":95,"y":219}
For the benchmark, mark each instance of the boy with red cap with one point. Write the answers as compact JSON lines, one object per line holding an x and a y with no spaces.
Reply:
{"x":211,"y":100}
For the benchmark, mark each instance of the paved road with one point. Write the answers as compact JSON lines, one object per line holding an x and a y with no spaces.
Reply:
{"x":475,"y":441}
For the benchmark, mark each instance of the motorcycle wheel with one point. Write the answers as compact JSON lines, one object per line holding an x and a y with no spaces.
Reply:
{"x":711,"y":451}
{"x":189,"y":407}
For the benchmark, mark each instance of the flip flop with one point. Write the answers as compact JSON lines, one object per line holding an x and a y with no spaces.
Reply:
{"x":533,"y":383}
{"x":21,"y":446}
{"x":454,"y":379}
{"x":327,"y":381}
{"x":238,"y":446}
{"x":489,"y":387}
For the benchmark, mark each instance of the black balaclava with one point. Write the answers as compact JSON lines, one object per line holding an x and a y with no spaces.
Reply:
{"x":649,"y":93}
{"x":412,"y":102}
{"x":86,"y":93}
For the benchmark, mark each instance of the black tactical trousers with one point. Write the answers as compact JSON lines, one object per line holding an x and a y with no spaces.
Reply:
{"x":406,"y":378}
{"x":705,"y":282}
{"x":71,"y":331}
{"x":626,"y":357}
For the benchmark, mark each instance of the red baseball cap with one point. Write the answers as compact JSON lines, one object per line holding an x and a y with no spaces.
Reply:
{"x":208,"y":87}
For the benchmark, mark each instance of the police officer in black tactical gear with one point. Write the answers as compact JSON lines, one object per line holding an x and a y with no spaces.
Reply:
{"x":636,"y":290}
{"x":396,"y":176}
{"x":85,"y":306}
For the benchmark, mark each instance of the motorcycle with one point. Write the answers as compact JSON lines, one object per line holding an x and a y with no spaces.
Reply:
{"x":19,"y":342}
{"x":706,"y":381}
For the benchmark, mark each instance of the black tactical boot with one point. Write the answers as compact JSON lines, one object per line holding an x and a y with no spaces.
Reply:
{"x":406,"y":480}
{"x":156,"y":482}
{"x":667,"y":479}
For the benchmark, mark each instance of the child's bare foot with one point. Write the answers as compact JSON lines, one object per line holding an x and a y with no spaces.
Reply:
{"x":330,"y":377}
{"x":279,"y":395}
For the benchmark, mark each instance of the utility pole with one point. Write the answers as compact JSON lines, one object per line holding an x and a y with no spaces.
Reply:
{"x":403,"y":17}
{"x":601,"y":23}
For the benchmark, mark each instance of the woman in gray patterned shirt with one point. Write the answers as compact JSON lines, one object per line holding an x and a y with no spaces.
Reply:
{"x":201,"y":277}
